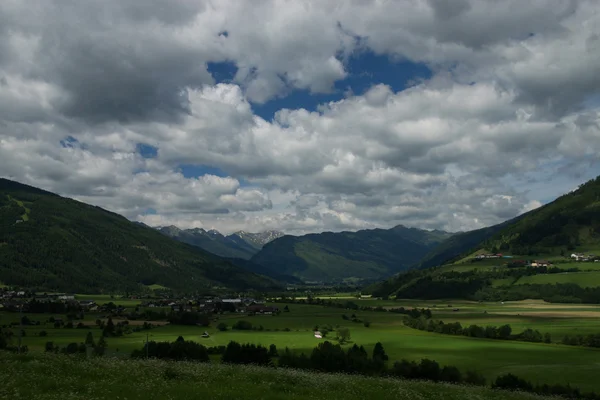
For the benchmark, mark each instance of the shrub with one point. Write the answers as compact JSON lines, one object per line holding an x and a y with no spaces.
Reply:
{"x":242,"y":326}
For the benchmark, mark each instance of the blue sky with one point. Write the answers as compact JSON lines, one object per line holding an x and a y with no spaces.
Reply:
{"x":365,"y":69}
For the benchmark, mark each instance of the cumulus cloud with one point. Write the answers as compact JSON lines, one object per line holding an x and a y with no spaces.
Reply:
{"x":511,"y":94}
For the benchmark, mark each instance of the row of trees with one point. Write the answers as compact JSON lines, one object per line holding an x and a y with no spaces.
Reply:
{"x":179,"y":350}
{"x":503,"y":332}
{"x":329,"y":357}
{"x":89,"y":346}
{"x":591,"y":340}
{"x":350,"y":305}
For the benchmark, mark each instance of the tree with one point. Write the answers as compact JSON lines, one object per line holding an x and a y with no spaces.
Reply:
{"x":379,"y":352}
{"x":286,"y":309}
{"x":273,"y":351}
{"x":243,"y":325}
{"x":110,"y":326}
{"x":89,"y":340}
{"x":43,"y":333}
{"x":343,"y":334}
{"x":49,"y":347}
{"x":367,"y":323}
{"x":180,"y":339}
{"x":222,"y":327}
{"x":504,"y":331}
{"x":547,"y":338}
{"x":100,"y":347}
{"x":72,"y":348}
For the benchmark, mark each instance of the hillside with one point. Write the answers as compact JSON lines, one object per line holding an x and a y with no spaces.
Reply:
{"x":237,"y":245}
{"x":45,"y":377}
{"x":366,"y":254}
{"x":569,"y":223}
{"x":460,"y":243}
{"x":56,"y":243}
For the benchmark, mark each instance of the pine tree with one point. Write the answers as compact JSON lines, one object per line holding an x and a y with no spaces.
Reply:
{"x":379,"y":352}
{"x":89,"y":340}
{"x":100,"y":347}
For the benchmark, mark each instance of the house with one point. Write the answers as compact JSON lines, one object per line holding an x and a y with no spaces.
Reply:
{"x":232,"y":301}
{"x":540,"y":263}
{"x":487,"y":256}
{"x":318,"y":335}
{"x":87,"y":304}
{"x":66,"y":297}
{"x":260,"y":309}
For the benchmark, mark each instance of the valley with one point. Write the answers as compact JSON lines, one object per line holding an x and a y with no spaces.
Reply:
{"x":139,"y":284}
{"x":538,"y":362}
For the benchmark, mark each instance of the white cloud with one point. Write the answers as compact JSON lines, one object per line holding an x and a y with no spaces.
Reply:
{"x":509,"y":96}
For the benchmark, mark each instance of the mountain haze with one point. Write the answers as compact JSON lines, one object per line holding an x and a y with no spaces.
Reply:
{"x":55,"y":243}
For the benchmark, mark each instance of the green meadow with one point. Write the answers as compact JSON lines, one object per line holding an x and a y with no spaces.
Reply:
{"x":540,"y":363}
{"x":49,"y":377}
{"x":583,"y":279}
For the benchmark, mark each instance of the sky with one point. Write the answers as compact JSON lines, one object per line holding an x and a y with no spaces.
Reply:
{"x":302,"y":116}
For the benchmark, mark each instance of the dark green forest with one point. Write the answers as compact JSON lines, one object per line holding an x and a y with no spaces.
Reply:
{"x":571,"y":221}
{"x":53,"y":243}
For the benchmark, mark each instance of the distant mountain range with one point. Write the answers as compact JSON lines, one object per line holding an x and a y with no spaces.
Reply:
{"x":53,"y":243}
{"x":240,"y":244}
{"x":346,"y":256}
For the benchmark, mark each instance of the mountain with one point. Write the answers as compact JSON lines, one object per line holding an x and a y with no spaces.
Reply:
{"x":568,"y":223}
{"x":571,"y":223}
{"x":458,"y":244}
{"x":262,"y":270}
{"x":211,"y":241}
{"x":55,"y":243}
{"x":256,"y":240}
{"x":237,"y":245}
{"x":332,"y":257}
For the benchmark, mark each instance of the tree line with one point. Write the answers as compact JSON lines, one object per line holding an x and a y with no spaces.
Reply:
{"x":503,"y":332}
{"x":328,"y":357}
{"x":591,"y":340}
{"x":477,"y":285}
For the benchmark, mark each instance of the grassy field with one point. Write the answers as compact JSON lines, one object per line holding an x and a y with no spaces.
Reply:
{"x":156,"y":287}
{"x":44,"y":377}
{"x":541,"y":363}
{"x":583,"y":279}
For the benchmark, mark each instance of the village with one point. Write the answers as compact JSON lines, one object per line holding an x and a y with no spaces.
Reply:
{"x":24,"y":301}
{"x":512,"y":262}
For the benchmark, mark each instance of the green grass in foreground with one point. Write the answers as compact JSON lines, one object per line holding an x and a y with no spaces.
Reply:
{"x":537,"y":362}
{"x":46,"y":377}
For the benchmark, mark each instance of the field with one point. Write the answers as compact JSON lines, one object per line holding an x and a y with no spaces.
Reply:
{"x":583,"y":279}
{"x":541,"y":363}
{"x":44,"y":377}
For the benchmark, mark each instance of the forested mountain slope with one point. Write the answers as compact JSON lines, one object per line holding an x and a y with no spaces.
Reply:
{"x":55,"y":243}
{"x":365,"y":254}
{"x":570,"y":222}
